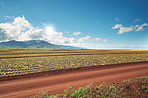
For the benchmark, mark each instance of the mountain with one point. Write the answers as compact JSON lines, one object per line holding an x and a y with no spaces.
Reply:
{"x":33,"y":44}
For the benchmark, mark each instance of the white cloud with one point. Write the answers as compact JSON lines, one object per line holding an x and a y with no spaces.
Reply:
{"x":87,"y":38}
{"x":117,"y":26}
{"x":31,"y":34}
{"x":140,"y":27}
{"x":14,"y":29}
{"x":117,"y":19}
{"x":44,"y":24}
{"x":103,"y":46}
{"x":20,"y":29}
{"x":130,"y":28}
{"x":10,"y":17}
{"x":97,"y":39}
{"x":56,"y":37}
{"x":76,"y":33}
{"x":125,"y":29}
{"x":136,"y":20}
{"x":85,"y":45}
{"x":136,"y":26}
{"x":110,"y":46}
{"x":104,"y":40}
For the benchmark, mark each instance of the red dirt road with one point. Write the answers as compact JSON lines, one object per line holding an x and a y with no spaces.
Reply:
{"x":54,"y":84}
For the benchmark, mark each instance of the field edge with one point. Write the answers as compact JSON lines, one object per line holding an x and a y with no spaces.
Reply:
{"x":69,"y":70}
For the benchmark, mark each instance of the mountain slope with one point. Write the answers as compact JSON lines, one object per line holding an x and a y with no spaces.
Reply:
{"x":34,"y":44}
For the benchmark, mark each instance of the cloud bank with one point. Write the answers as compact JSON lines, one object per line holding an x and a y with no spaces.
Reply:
{"x":21,"y":30}
{"x":136,"y":28}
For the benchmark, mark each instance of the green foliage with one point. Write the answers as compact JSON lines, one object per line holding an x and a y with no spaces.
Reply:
{"x":124,"y":80}
{"x":144,"y":77}
{"x":124,"y":94}
{"x":77,"y":94}
{"x":67,"y":92}
{"x":106,"y":91}
{"x":143,"y":87}
{"x":25,"y":61}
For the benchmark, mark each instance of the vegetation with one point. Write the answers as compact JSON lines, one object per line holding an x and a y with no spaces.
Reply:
{"x":6,"y":49}
{"x":24,"y":61}
{"x":131,"y":88}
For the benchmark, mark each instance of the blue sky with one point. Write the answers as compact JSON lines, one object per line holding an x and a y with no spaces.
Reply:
{"x":93,"y":24}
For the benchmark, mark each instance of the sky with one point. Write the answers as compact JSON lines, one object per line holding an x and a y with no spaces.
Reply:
{"x":92,"y":24}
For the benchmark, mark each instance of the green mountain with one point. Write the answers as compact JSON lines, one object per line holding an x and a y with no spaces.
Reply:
{"x":33,"y":44}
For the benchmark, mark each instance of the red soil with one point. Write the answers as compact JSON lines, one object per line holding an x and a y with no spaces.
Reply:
{"x":56,"y":83}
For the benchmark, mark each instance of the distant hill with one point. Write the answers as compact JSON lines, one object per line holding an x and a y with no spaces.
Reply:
{"x":33,"y":44}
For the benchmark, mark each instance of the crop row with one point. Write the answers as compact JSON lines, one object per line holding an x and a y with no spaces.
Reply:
{"x":17,"y":66}
{"x":31,"y":53}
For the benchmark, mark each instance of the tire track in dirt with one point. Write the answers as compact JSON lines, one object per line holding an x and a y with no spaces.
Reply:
{"x":55,"y":84}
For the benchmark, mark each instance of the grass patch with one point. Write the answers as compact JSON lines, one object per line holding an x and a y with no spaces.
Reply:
{"x":134,"y":88}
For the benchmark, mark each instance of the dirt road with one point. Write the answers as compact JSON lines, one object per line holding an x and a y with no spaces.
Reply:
{"x":54,"y":84}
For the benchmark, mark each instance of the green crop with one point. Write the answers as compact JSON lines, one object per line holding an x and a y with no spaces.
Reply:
{"x":24,"y":61}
